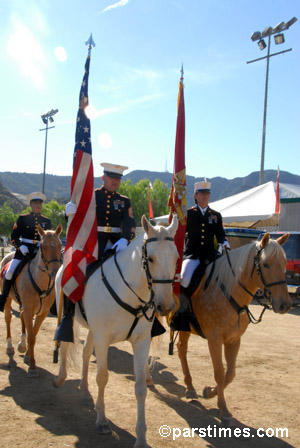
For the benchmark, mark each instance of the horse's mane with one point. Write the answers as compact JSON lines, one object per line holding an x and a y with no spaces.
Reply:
{"x":239,"y":259}
{"x":230,"y":276}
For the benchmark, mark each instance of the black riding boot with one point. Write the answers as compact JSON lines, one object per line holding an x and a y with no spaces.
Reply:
{"x":5,"y":292}
{"x":180,"y":321}
{"x":64,"y":331}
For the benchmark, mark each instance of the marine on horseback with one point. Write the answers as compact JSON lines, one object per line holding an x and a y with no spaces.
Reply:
{"x":204,"y":226}
{"x":115,"y":229}
{"x":26,"y":240}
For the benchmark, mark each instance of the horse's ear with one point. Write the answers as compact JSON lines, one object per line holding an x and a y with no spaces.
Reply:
{"x":145,"y":224}
{"x":283,"y":239}
{"x":40,"y":230}
{"x":58,"y":229}
{"x":173,"y":226}
{"x":265,"y":240}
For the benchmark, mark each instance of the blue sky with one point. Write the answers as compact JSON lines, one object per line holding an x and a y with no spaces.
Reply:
{"x":133,"y":84}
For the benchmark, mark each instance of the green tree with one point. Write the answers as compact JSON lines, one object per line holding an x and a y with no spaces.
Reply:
{"x":139,"y":197}
{"x":7,"y":219}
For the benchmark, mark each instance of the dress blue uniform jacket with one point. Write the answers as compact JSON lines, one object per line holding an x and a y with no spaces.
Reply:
{"x":200,"y":233}
{"x":26,"y":227}
{"x":113,"y":210}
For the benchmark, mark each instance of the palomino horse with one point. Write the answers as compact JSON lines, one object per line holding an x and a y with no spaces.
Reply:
{"x":222,"y":309}
{"x":120,"y":300}
{"x":34,"y":291}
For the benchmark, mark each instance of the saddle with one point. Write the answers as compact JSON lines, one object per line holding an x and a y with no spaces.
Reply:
{"x":18,"y":269}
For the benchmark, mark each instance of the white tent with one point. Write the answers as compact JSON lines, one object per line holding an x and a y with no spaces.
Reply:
{"x":251,"y":206}
{"x":256,"y":204}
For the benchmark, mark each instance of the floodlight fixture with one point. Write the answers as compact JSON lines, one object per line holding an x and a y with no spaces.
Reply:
{"x":279,"y":27}
{"x":262,"y":44}
{"x":291,"y":22}
{"x":279,"y":39}
{"x":48,"y":116}
{"x":256,"y":35}
{"x":267,"y":31}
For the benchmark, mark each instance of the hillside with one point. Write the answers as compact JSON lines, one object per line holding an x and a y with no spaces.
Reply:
{"x":58,"y":187}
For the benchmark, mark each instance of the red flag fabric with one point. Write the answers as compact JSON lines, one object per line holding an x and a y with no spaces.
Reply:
{"x":150,"y":204}
{"x":277,"y":193}
{"x":81,"y":244}
{"x":177,"y":200}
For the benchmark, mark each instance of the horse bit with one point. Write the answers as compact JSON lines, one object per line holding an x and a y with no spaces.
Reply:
{"x":141,"y":310}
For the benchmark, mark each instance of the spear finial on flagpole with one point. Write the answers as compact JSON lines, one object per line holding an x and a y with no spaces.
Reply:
{"x":181,"y":71}
{"x":90,"y":43}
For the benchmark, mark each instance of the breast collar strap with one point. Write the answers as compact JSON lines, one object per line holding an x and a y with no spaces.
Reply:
{"x":141,"y":310}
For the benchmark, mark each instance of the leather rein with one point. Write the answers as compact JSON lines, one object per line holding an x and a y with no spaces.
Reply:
{"x":145,"y":306}
{"x":267,"y":293}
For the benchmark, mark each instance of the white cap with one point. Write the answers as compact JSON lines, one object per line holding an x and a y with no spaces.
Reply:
{"x":202,"y":186}
{"x":36,"y":196}
{"x":113,"y":170}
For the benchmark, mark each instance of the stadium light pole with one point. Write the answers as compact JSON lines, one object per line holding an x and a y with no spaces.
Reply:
{"x":279,"y":39}
{"x":48,"y":116}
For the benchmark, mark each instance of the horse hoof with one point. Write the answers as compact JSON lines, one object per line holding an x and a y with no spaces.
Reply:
{"x":21,"y":348}
{"x":191,"y":394}
{"x":227,"y":422}
{"x":10,"y":351}
{"x":206,"y":392}
{"x":104,"y":428}
{"x":149,"y":382}
{"x":58,"y":382}
{"x":33,"y":373}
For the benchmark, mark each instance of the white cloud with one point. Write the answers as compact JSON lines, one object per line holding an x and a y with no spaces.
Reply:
{"x":114,"y":5}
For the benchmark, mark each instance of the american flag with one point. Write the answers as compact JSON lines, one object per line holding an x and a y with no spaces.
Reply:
{"x":81,"y":244}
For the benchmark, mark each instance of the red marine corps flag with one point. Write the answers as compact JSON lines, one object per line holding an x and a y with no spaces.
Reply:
{"x":150,"y":203}
{"x":177,"y":200}
{"x":81,"y":245}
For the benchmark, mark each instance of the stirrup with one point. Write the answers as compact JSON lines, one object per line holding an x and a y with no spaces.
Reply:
{"x":64,"y":332}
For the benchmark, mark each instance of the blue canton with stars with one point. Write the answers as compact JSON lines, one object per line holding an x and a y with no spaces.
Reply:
{"x":83,"y":125}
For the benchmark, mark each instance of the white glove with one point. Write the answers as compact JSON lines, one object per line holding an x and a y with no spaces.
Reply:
{"x":226,"y":244}
{"x":71,"y":208}
{"x":24,"y":249}
{"x":120,"y":245}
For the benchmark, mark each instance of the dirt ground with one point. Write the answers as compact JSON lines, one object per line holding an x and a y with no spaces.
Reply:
{"x":265,"y":394}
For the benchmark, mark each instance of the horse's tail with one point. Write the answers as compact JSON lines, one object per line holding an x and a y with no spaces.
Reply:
{"x":74,"y":353}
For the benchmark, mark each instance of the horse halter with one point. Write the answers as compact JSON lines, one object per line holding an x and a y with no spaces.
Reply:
{"x":145,"y":262}
{"x":267,"y":293}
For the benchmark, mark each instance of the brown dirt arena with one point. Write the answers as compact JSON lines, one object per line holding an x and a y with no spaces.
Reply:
{"x":265,"y":393}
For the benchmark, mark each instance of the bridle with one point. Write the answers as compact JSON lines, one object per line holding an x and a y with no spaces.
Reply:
{"x":145,"y":306}
{"x":267,"y":293}
{"x":43,"y":293}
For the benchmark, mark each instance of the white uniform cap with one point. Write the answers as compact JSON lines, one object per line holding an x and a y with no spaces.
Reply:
{"x":36,"y":196}
{"x":202,"y":186}
{"x":113,"y":170}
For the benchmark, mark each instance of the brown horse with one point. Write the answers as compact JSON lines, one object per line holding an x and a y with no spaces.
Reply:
{"x":35,"y":289}
{"x":222,"y":308}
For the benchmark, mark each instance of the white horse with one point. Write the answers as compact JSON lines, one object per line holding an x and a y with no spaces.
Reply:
{"x":120,"y":299}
